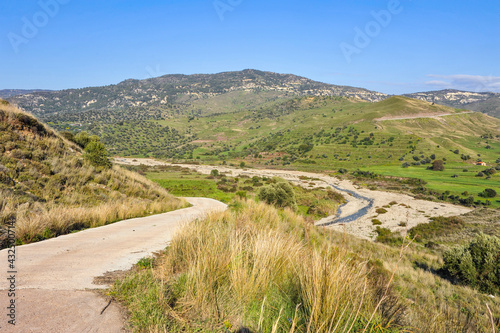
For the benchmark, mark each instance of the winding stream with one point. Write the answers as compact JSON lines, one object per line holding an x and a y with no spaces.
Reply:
{"x":358,"y":214}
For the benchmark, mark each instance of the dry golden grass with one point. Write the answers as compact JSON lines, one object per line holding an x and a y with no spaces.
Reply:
{"x":432,"y":303}
{"x":256,"y":267}
{"x":62,"y":219}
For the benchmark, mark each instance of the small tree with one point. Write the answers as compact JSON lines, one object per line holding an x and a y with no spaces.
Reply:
{"x":214,"y":173}
{"x":438,"y":165}
{"x":82,"y":139}
{"x":96,"y":154}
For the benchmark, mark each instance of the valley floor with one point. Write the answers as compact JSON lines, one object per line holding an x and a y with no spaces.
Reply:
{"x":402,"y":211}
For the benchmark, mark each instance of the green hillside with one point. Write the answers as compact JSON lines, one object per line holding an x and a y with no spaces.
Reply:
{"x":51,"y":186}
{"x":321,"y":134}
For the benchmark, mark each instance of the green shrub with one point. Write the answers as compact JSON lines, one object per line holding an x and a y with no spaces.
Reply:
{"x":280,"y":194}
{"x":145,"y":263}
{"x":488,"y":193}
{"x":376,"y":222}
{"x":96,"y":154}
{"x":381,"y":211}
{"x":476,"y":264}
{"x":437,"y":227}
{"x":82,"y":139}
{"x":68,"y":135}
{"x":386,"y":236}
{"x":241,"y":194}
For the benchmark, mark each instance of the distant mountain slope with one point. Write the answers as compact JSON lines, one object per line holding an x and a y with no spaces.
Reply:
{"x":485,"y":102}
{"x":49,"y":187}
{"x":205,"y":94}
{"x":182,"y":93}
{"x":6,"y":93}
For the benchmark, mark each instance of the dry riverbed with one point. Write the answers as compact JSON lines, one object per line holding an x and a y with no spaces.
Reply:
{"x":403,"y":211}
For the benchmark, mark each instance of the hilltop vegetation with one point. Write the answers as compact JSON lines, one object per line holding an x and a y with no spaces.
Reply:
{"x":51,"y":186}
{"x":198,"y":94}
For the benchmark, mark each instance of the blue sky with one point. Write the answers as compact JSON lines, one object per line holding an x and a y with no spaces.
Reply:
{"x":416,"y":45}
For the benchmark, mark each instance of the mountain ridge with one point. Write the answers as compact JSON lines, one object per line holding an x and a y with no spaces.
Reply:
{"x":220,"y":92}
{"x":177,"y":89}
{"x":6,"y":93}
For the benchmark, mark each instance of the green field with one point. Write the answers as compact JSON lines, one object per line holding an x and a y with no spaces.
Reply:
{"x":442,"y":180}
{"x":183,"y":184}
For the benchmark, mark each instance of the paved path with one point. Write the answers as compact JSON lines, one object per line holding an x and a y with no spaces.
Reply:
{"x":53,"y":275}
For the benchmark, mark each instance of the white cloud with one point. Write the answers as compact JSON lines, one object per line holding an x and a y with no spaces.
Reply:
{"x":475,"y":83}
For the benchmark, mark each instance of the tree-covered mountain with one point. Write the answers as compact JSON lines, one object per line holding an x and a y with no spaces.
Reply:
{"x":202,"y":94}
{"x":180,"y":94}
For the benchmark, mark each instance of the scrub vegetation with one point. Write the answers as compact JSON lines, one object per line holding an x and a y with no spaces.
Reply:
{"x":51,"y":185}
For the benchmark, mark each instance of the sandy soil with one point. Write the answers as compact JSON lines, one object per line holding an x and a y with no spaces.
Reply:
{"x":405,"y":214}
{"x":56,"y":279}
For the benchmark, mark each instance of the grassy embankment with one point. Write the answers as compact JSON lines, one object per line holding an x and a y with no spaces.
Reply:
{"x":256,"y":267}
{"x":49,"y":188}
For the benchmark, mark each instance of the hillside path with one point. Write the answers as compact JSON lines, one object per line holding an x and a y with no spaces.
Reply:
{"x":54,"y":276}
{"x":431,"y":116}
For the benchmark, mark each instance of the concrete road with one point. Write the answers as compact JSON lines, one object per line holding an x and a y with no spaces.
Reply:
{"x":52,"y":276}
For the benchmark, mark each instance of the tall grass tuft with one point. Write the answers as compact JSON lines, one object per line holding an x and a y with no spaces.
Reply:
{"x":260,"y":268}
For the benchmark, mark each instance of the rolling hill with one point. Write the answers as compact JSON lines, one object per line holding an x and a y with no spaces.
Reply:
{"x":319,"y":133}
{"x":284,"y":121}
{"x":49,"y":186}
{"x":202,"y":94}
